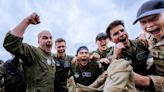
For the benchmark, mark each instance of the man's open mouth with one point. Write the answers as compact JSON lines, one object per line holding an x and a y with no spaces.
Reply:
{"x":155,"y":31}
{"x":123,"y":39}
{"x":48,"y":45}
{"x":83,"y":59}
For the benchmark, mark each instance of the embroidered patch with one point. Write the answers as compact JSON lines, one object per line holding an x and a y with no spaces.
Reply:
{"x":57,"y":63}
{"x":48,"y":61}
{"x":76,"y":75}
{"x":86,"y":74}
{"x":66,"y":65}
{"x":142,"y":55}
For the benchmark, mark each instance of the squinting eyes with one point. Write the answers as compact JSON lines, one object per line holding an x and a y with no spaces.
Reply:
{"x":61,"y":46}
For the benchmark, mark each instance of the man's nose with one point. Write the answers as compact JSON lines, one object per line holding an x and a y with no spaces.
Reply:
{"x":121,"y":33}
{"x":149,"y":24}
{"x":49,"y":39}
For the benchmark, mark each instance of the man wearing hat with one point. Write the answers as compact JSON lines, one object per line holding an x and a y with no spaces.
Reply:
{"x":151,"y":18}
{"x":84,"y":70}
{"x":102,"y":50}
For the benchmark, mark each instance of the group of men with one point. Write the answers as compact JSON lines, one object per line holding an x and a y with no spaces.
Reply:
{"x":124,"y":65}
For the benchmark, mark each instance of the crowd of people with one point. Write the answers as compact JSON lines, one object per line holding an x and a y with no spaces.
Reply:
{"x":123,"y":67}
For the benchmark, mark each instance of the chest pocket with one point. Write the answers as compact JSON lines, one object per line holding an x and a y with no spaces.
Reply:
{"x":157,"y":53}
{"x":61,"y":64}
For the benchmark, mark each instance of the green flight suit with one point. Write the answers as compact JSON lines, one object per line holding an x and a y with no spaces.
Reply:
{"x":103,"y":55}
{"x":39,"y":67}
{"x":87,"y":75}
{"x":62,"y":68}
{"x":138,"y":55}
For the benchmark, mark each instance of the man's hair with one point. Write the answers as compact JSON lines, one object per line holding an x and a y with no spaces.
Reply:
{"x":112,"y":25}
{"x":59,"y":40}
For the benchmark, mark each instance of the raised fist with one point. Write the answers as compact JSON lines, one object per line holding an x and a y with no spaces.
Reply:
{"x":33,"y":19}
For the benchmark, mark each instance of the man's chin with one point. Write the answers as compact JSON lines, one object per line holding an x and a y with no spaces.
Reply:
{"x":48,"y":50}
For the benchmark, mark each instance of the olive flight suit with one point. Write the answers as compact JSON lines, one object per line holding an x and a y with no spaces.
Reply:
{"x":39,"y":67}
{"x":62,"y":68}
{"x":137,"y":54}
{"x":102,"y":55}
{"x":87,"y":75}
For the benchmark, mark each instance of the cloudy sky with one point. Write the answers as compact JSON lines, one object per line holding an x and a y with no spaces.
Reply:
{"x":77,"y":21}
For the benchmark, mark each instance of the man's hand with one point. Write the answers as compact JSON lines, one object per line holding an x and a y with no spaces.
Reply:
{"x":33,"y":19}
{"x":142,"y":38}
{"x":141,"y":80}
{"x":21,"y":27}
{"x":118,"y":50}
{"x":104,"y":60}
{"x":95,"y":56}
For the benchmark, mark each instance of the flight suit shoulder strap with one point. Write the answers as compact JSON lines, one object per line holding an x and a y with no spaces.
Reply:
{"x":135,"y":42}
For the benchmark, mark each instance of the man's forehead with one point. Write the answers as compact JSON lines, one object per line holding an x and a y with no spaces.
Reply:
{"x":83,"y":50}
{"x":44,"y":34}
{"x":149,"y":17}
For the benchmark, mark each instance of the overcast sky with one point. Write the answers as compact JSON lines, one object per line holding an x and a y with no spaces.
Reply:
{"x":77,"y":21}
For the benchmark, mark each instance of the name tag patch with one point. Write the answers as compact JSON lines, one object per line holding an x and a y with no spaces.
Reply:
{"x":142,"y":55}
{"x":66,"y":65}
{"x":86,"y":74}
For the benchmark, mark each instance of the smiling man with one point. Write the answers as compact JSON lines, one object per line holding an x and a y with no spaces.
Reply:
{"x":151,"y":18}
{"x":102,"y":43}
{"x":63,"y":64}
{"x":102,"y":50}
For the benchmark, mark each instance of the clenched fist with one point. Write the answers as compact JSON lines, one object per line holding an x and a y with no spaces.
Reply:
{"x":33,"y":19}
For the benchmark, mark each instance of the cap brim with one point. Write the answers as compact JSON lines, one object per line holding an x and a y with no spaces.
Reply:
{"x":98,"y":38}
{"x":152,"y":12}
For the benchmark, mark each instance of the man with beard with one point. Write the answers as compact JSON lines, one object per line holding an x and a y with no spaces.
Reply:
{"x":63,"y":64}
{"x":84,"y":70}
{"x":38,"y":63}
{"x":151,"y":18}
{"x":102,"y":50}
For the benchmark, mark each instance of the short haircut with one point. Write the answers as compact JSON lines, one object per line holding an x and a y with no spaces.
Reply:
{"x":60,"y":40}
{"x":112,"y":25}
{"x":42,"y":32}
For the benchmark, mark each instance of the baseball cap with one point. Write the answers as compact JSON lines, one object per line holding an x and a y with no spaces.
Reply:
{"x":81,"y":48}
{"x":148,"y":8}
{"x":101,"y":35}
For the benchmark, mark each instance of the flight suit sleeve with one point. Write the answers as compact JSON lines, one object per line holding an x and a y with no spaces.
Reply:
{"x":158,"y":82}
{"x":15,"y":46}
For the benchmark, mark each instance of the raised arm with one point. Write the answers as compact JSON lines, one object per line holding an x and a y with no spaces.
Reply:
{"x":20,"y":28}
